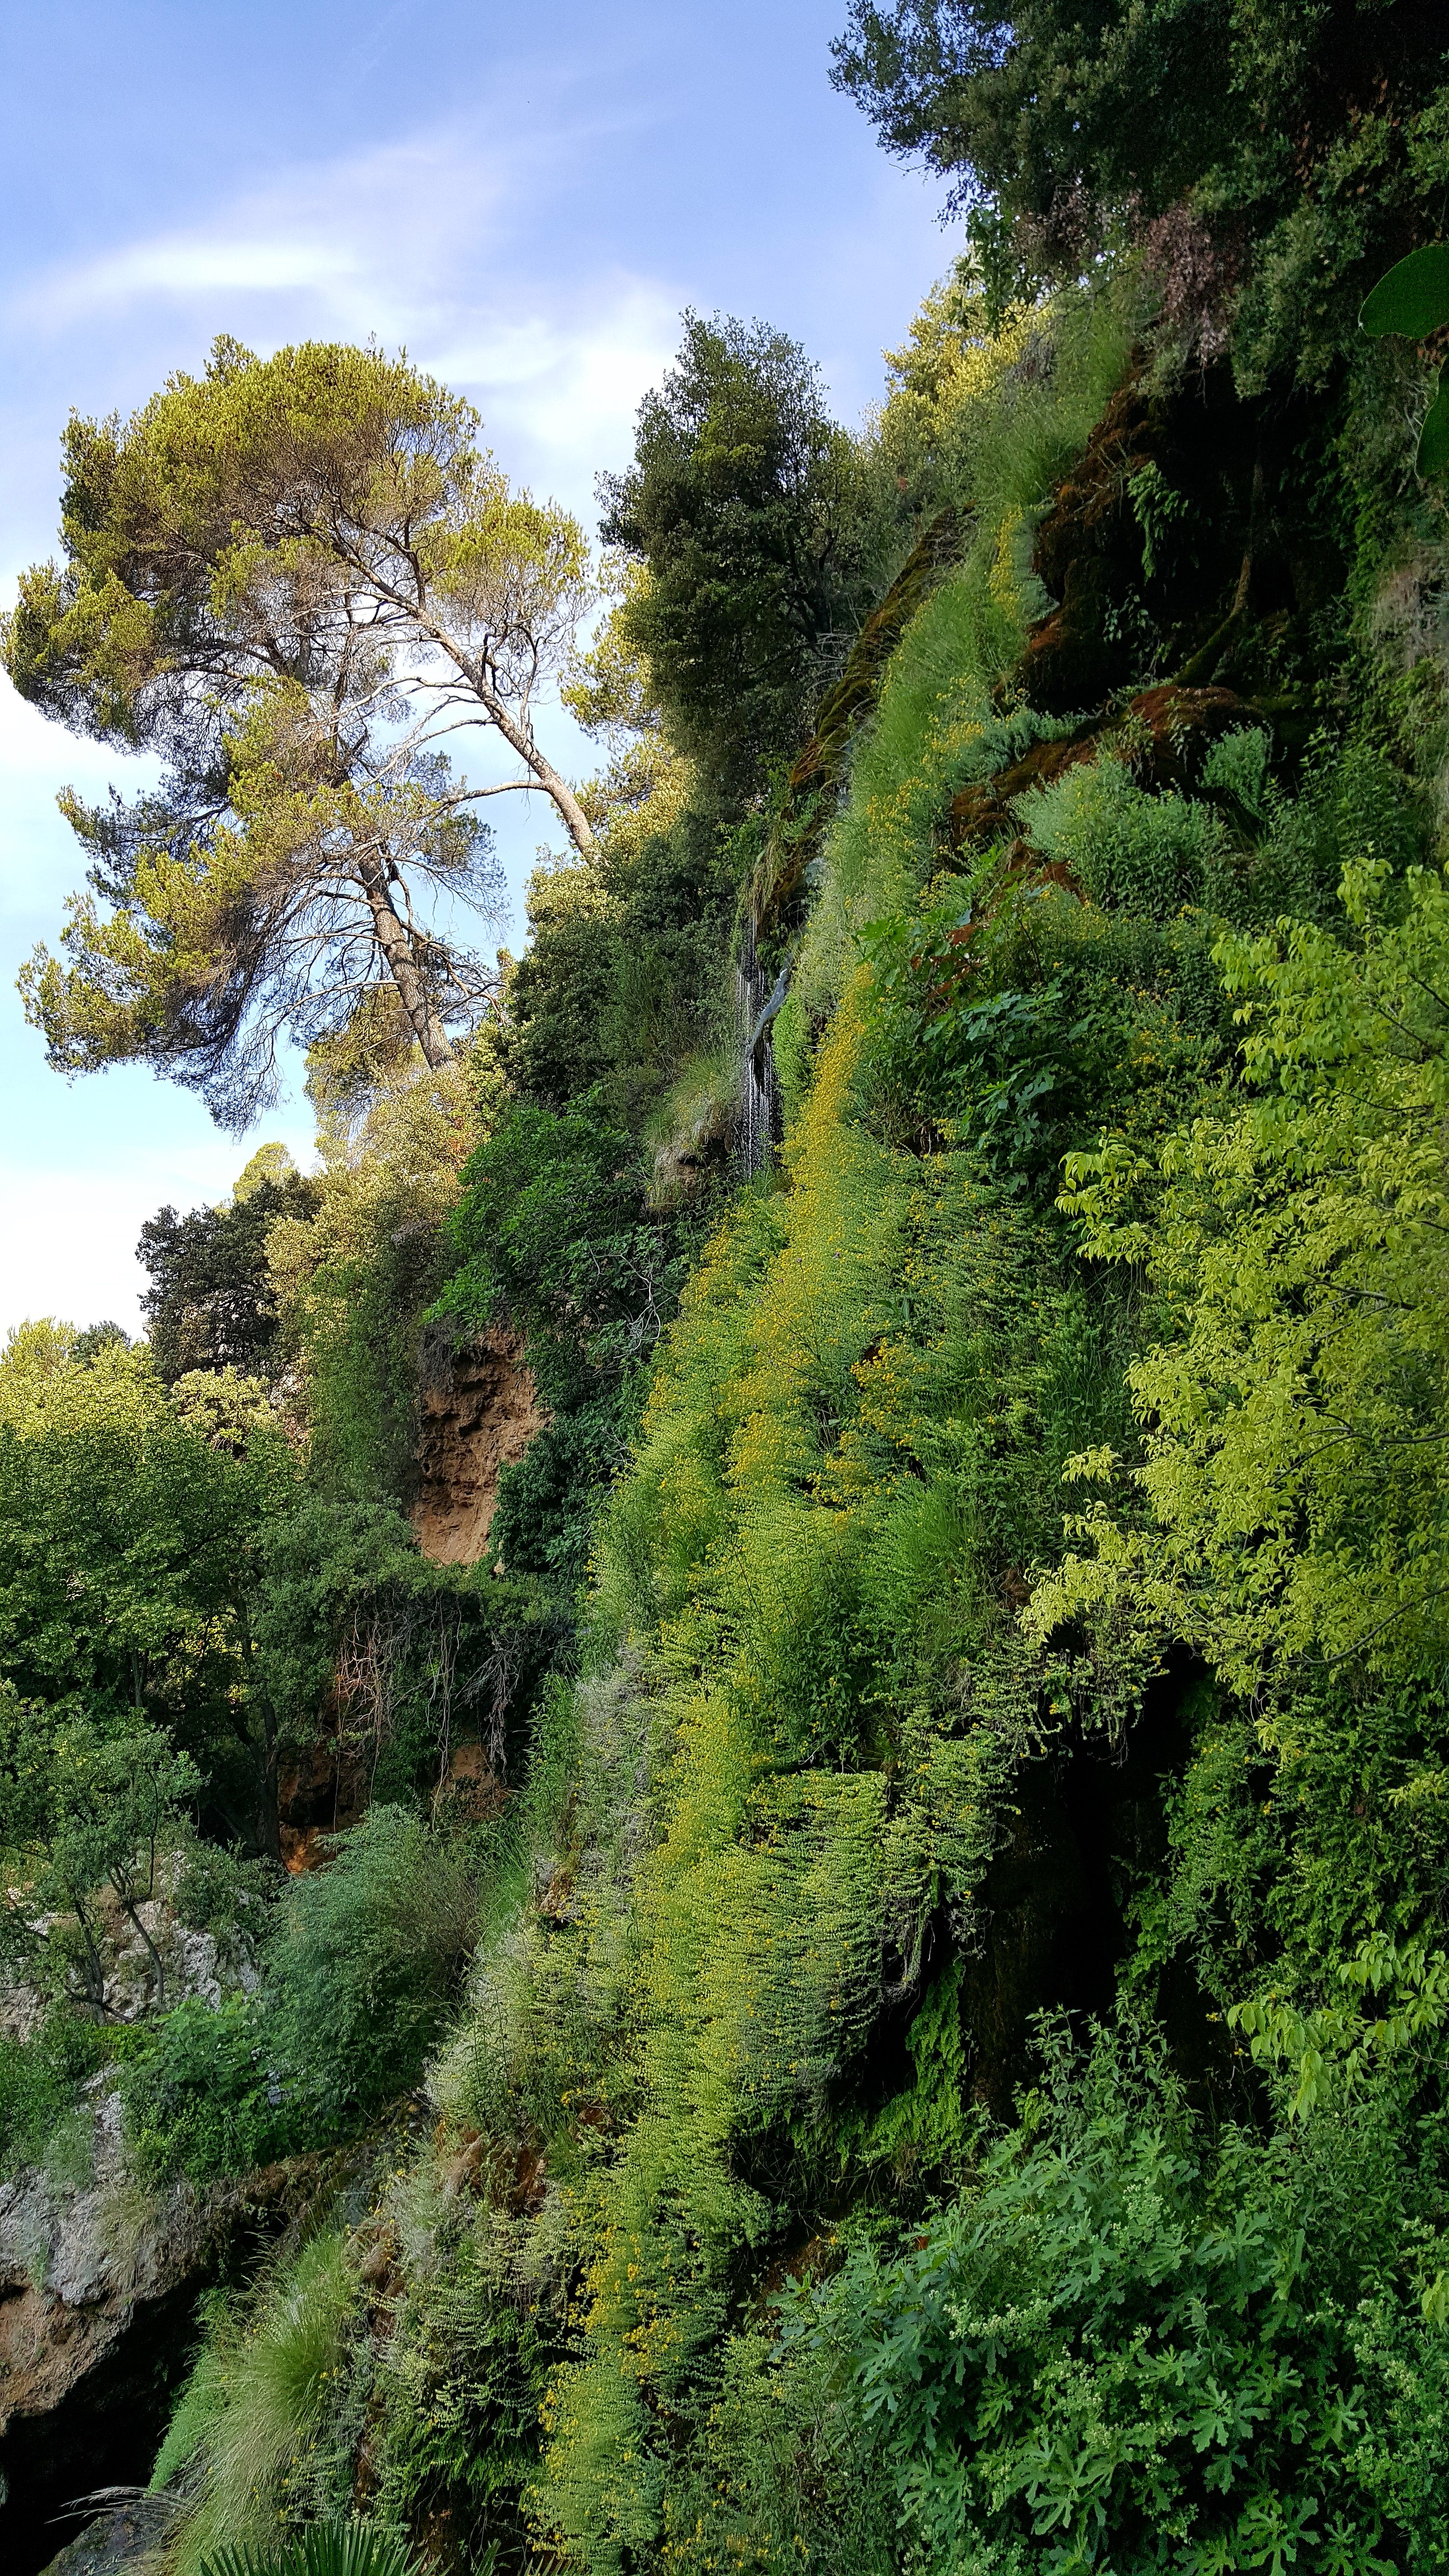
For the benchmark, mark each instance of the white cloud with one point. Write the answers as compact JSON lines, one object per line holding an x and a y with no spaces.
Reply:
{"x":566,"y":391}
{"x":184,"y":267}
{"x":428,"y":244}
{"x":355,"y":235}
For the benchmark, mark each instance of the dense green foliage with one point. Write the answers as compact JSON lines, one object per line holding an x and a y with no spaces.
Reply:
{"x":752,"y":510}
{"x":552,"y":1237}
{"x":130,"y":1568}
{"x":878,"y":1995}
{"x":1124,"y":2346}
{"x":359,"y":1964}
{"x":209,"y":1305}
{"x":325,"y":2549}
{"x":1270,"y":160}
{"x":39,"y":2081}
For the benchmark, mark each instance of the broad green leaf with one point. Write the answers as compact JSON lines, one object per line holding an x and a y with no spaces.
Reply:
{"x":1413,"y":298}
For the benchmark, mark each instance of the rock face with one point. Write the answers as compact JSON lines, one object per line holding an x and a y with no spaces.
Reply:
{"x":83,"y":2245}
{"x":99,"y":2281}
{"x":125,"y":2535}
{"x":321,"y":1793}
{"x":76,"y":2262}
{"x":192,"y":1963}
{"x":479,"y":1412}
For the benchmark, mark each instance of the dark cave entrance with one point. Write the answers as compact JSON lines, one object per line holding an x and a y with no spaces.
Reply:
{"x":105,"y":2433}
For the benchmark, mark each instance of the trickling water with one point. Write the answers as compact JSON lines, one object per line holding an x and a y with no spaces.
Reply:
{"x":757,"y":1004}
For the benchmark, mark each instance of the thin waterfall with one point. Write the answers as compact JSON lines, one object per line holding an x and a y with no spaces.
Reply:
{"x":757,"y":1004}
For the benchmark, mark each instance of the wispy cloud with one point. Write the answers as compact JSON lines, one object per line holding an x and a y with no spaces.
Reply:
{"x":369,"y":238}
{"x":559,"y":396}
{"x":425,"y":243}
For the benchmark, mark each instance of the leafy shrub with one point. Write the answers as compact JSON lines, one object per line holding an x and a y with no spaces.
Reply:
{"x":364,"y":1961}
{"x":1149,"y":855}
{"x":361,"y":1963}
{"x":1125,"y":2346}
{"x":324,"y":2549}
{"x":41,"y":2078}
{"x":206,"y":2092}
{"x":1020,"y":1020}
{"x":1293,"y":1837}
{"x":1295,"y":1471}
{"x":544,"y":1514}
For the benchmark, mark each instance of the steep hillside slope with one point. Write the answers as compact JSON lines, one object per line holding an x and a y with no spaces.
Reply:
{"x":884,"y":2004}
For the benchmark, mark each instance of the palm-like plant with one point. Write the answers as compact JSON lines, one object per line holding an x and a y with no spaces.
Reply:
{"x":324,"y":2549}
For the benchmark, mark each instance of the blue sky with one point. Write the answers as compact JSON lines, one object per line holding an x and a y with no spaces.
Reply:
{"x":526,"y":199}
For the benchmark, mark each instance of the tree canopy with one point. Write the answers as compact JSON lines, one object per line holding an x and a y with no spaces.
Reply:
{"x":295,"y":579}
{"x":750,"y":508}
{"x":129,"y":1563}
{"x":210,"y":1303}
{"x":1257,"y":153}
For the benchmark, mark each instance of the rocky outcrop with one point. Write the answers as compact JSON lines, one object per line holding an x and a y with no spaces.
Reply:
{"x":99,"y":2283}
{"x":479,"y":1411}
{"x":76,"y":2262}
{"x":125,"y":2534}
{"x":192,"y":1962}
{"x":82,"y":2243}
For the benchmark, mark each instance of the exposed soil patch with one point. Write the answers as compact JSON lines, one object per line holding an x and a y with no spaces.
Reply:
{"x":479,"y":1412}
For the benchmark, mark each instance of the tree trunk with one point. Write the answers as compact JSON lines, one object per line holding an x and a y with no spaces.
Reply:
{"x":132,"y":1910}
{"x":519,"y":737}
{"x":396,"y":946}
{"x":570,"y":812}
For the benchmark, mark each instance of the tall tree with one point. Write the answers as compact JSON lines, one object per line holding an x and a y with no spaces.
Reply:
{"x":210,"y":1303}
{"x":295,"y":578}
{"x":750,"y":507}
{"x":130,"y":1565}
